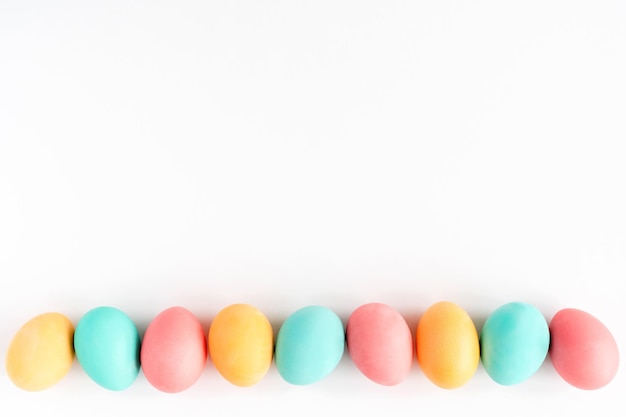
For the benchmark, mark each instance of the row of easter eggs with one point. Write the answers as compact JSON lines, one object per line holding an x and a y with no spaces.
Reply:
{"x":513,"y":343}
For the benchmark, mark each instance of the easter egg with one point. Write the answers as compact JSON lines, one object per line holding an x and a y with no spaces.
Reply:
{"x":582,"y":349}
{"x":107,"y":346}
{"x":41,"y":352}
{"x":514,"y":343}
{"x":448,"y":350}
{"x":309,"y":345}
{"x":241,"y":344}
{"x":380,"y":344}
{"x":173,"y":350}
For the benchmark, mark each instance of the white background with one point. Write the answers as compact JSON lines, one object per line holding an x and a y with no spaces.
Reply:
{"x":325,"y":152}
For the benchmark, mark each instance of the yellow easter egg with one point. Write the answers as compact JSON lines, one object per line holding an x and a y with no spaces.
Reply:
{"x":41,"y":352}
{"x":241,"y":344}
{"x":448,"y":348}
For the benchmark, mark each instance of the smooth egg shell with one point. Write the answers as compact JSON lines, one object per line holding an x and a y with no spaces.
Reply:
{"x":582,"y":350}
{"x":173,"y":350}
{"x":241,"y":344}
{"x":41,"y":352}
{"x":448,"y":350}
{"x":107,"y":346}
{"x":514,"y":343}
{"x":380,"y":344}
{"x":309,"y":345}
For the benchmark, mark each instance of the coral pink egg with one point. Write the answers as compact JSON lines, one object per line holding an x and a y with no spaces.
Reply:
{"x":380,"y":343}
{"x":174,"y":350}
{"x":582,"y":349}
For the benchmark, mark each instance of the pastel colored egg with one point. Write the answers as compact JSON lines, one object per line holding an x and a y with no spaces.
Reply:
{"x":173,"y":350}
{"x":107,"y":346}
{"x":514,"y":343}
{"x":582,"y":349}
{"x":309,"y":345}
{"x":448,"y":349}
{"x":241,"y":344}
{"x":41,"y":352}
{"x":380,"y":343}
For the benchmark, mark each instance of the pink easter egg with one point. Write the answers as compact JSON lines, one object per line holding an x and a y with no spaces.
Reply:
{"x":174,"y":350}
{"x":380,"y":344}
{"x":582,"y":349}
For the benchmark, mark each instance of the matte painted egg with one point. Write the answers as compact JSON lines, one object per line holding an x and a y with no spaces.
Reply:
{"x":380,"y":343}
{"x":107,"y":346}
{"x":448,"y":349}
{"x":309,"y":345}
{"x":173,"y":350}
{"x":241,"y":344}
{"x":582,"y":350}
{"x":514,"y":343}
{"x":41,"y":352}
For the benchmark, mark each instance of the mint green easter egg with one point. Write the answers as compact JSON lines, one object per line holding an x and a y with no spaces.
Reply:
{"x":309,"y":345}
{"x":514,"y":343}
{"x":107,"y":346}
